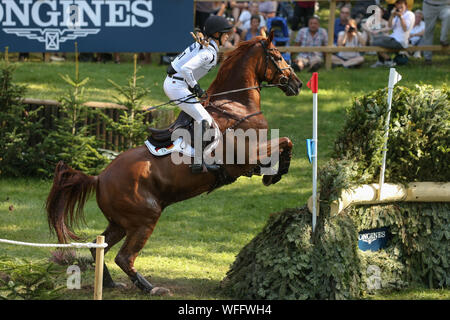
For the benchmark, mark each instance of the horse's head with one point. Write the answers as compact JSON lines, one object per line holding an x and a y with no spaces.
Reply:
{"x":275,"y":70}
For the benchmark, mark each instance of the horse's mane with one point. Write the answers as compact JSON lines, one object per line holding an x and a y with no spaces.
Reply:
{"x":231,"y":58}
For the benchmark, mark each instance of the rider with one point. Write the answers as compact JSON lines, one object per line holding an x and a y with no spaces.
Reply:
{"x":185,"y":71}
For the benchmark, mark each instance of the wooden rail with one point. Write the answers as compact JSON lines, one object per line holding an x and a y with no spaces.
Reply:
{"x":97,"y":125}
{"x":333,"y":49}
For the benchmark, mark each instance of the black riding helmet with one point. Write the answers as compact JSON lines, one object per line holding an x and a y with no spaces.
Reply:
{"x":216,"y":24}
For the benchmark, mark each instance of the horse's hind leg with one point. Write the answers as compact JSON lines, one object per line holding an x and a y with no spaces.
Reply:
{"x":113,"y":234}
{"x":135,"y":240}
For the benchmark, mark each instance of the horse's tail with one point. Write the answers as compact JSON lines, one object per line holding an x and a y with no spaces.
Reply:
{"x":64,"y":206}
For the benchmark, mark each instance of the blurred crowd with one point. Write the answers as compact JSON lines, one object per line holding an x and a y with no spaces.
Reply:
{"x":383,"y":23}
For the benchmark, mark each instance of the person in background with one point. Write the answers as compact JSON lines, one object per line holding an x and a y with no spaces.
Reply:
{"x":391,"y":5}
{"x":255,"y":30}
{"x":202,"y":11}
{"x":268,"y":9}
{"x":432,"y":10}
{"x":341,"y":23}
{"x":303,"y":10}
{"x":237,"y":8}
{"x":375,"y":28}
{"x":417,"y":32}
{"x":350,"y":37}
{"x":312,"y":36}
{"x":401,"y":21}
{"x":360,"y":10}
{"x":234,"y":37}
{"x":246,"y":15}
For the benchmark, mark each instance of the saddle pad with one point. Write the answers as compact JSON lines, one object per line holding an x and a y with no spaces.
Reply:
{"x":177,"y":146}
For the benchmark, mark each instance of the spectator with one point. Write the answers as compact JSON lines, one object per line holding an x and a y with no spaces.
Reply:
{"x":268,"y":9}
{"x":202,"y":11}
{"x":237,"y":8}
{"x":312,"y":36}
{"x":401,"y":21}
{"x":350,"y":37}
{"x":220,"y":8}
{"x":391,"y":5}
{"x":246,"y":15}
{"x":341,"y":22}
{"x":285,"y":10}
{"x":255,"y":30}
{"x":303,"y":10}
{"x":234,"y":37}
{"x":432,"y":10}
{"x":418,"y":30}
{"x":375,"y":27}
{"x":359,"y":10}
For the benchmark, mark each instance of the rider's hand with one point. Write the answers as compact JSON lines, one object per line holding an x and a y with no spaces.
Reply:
{"x":198,"y":91}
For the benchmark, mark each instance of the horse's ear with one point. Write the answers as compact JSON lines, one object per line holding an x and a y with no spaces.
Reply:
{"x":270,"y":38}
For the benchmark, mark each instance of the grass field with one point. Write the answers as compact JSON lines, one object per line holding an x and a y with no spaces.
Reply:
{"x":195,"y":241}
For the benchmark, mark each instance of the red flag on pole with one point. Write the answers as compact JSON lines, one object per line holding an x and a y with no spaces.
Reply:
{"x":313,"y":83}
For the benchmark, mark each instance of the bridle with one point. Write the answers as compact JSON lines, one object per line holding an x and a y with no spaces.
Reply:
{"x":283,"y":79}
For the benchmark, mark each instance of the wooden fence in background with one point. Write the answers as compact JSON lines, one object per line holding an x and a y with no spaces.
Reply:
{"x":97,"y":126}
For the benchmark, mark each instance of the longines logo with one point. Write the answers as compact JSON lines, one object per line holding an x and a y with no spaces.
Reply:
{"x":371,"y":237}
{"x":53,"y":22}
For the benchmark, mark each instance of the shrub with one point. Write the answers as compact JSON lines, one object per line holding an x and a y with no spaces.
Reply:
{"x":131,"y":124}
{"x":21,"y":279}
{"x":70,"y":141}
{"x":287,"y":261}
{"x":18,"y":127}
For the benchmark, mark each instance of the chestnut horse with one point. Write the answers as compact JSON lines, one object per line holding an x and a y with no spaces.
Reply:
{"x":135,"y":188}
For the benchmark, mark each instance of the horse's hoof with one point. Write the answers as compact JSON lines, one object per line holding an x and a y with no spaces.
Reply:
{"x":120,"y":285}
{"x":115,"y":285}
{"x":267,"y":180}
{"x":160,"y":291}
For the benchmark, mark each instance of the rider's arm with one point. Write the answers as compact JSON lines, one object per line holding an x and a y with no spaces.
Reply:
{"x":202,"y":58}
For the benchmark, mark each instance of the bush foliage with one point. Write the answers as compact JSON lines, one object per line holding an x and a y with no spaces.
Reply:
{"x":28,"y":149}
{"x":287,"y":261}
{"x":21,"y":279}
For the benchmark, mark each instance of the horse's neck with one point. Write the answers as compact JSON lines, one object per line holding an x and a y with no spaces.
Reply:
{"x":242,"y":76}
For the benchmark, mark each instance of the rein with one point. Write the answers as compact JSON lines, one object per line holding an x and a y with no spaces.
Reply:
{"x":190,"y":96}
{"x":234,"y":117}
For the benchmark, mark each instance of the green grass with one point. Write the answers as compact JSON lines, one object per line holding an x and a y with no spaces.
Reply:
{"x":195,"y":241}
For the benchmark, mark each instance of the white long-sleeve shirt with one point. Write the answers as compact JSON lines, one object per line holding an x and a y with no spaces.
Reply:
{"x":196,"y":61}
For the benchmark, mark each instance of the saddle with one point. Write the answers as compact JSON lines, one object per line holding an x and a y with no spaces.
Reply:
{"x":161,"y":138}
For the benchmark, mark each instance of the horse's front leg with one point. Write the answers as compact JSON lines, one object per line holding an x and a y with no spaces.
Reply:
{"x":267,"y":158}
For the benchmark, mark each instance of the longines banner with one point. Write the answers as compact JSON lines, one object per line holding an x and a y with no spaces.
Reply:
{"x":97,"y":25}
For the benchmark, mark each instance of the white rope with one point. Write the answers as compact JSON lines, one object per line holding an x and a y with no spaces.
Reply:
{"x":56,"y":245}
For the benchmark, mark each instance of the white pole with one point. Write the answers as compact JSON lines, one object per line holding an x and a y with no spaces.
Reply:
{"x":314,"y":161}
{"x":313,"y":84}
{"x":394,"y":77}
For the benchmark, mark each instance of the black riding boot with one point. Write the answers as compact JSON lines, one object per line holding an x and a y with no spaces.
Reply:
{"x":197,"y":167}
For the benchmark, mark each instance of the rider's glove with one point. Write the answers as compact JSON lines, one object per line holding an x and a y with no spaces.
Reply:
{"x":198,"y":91}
